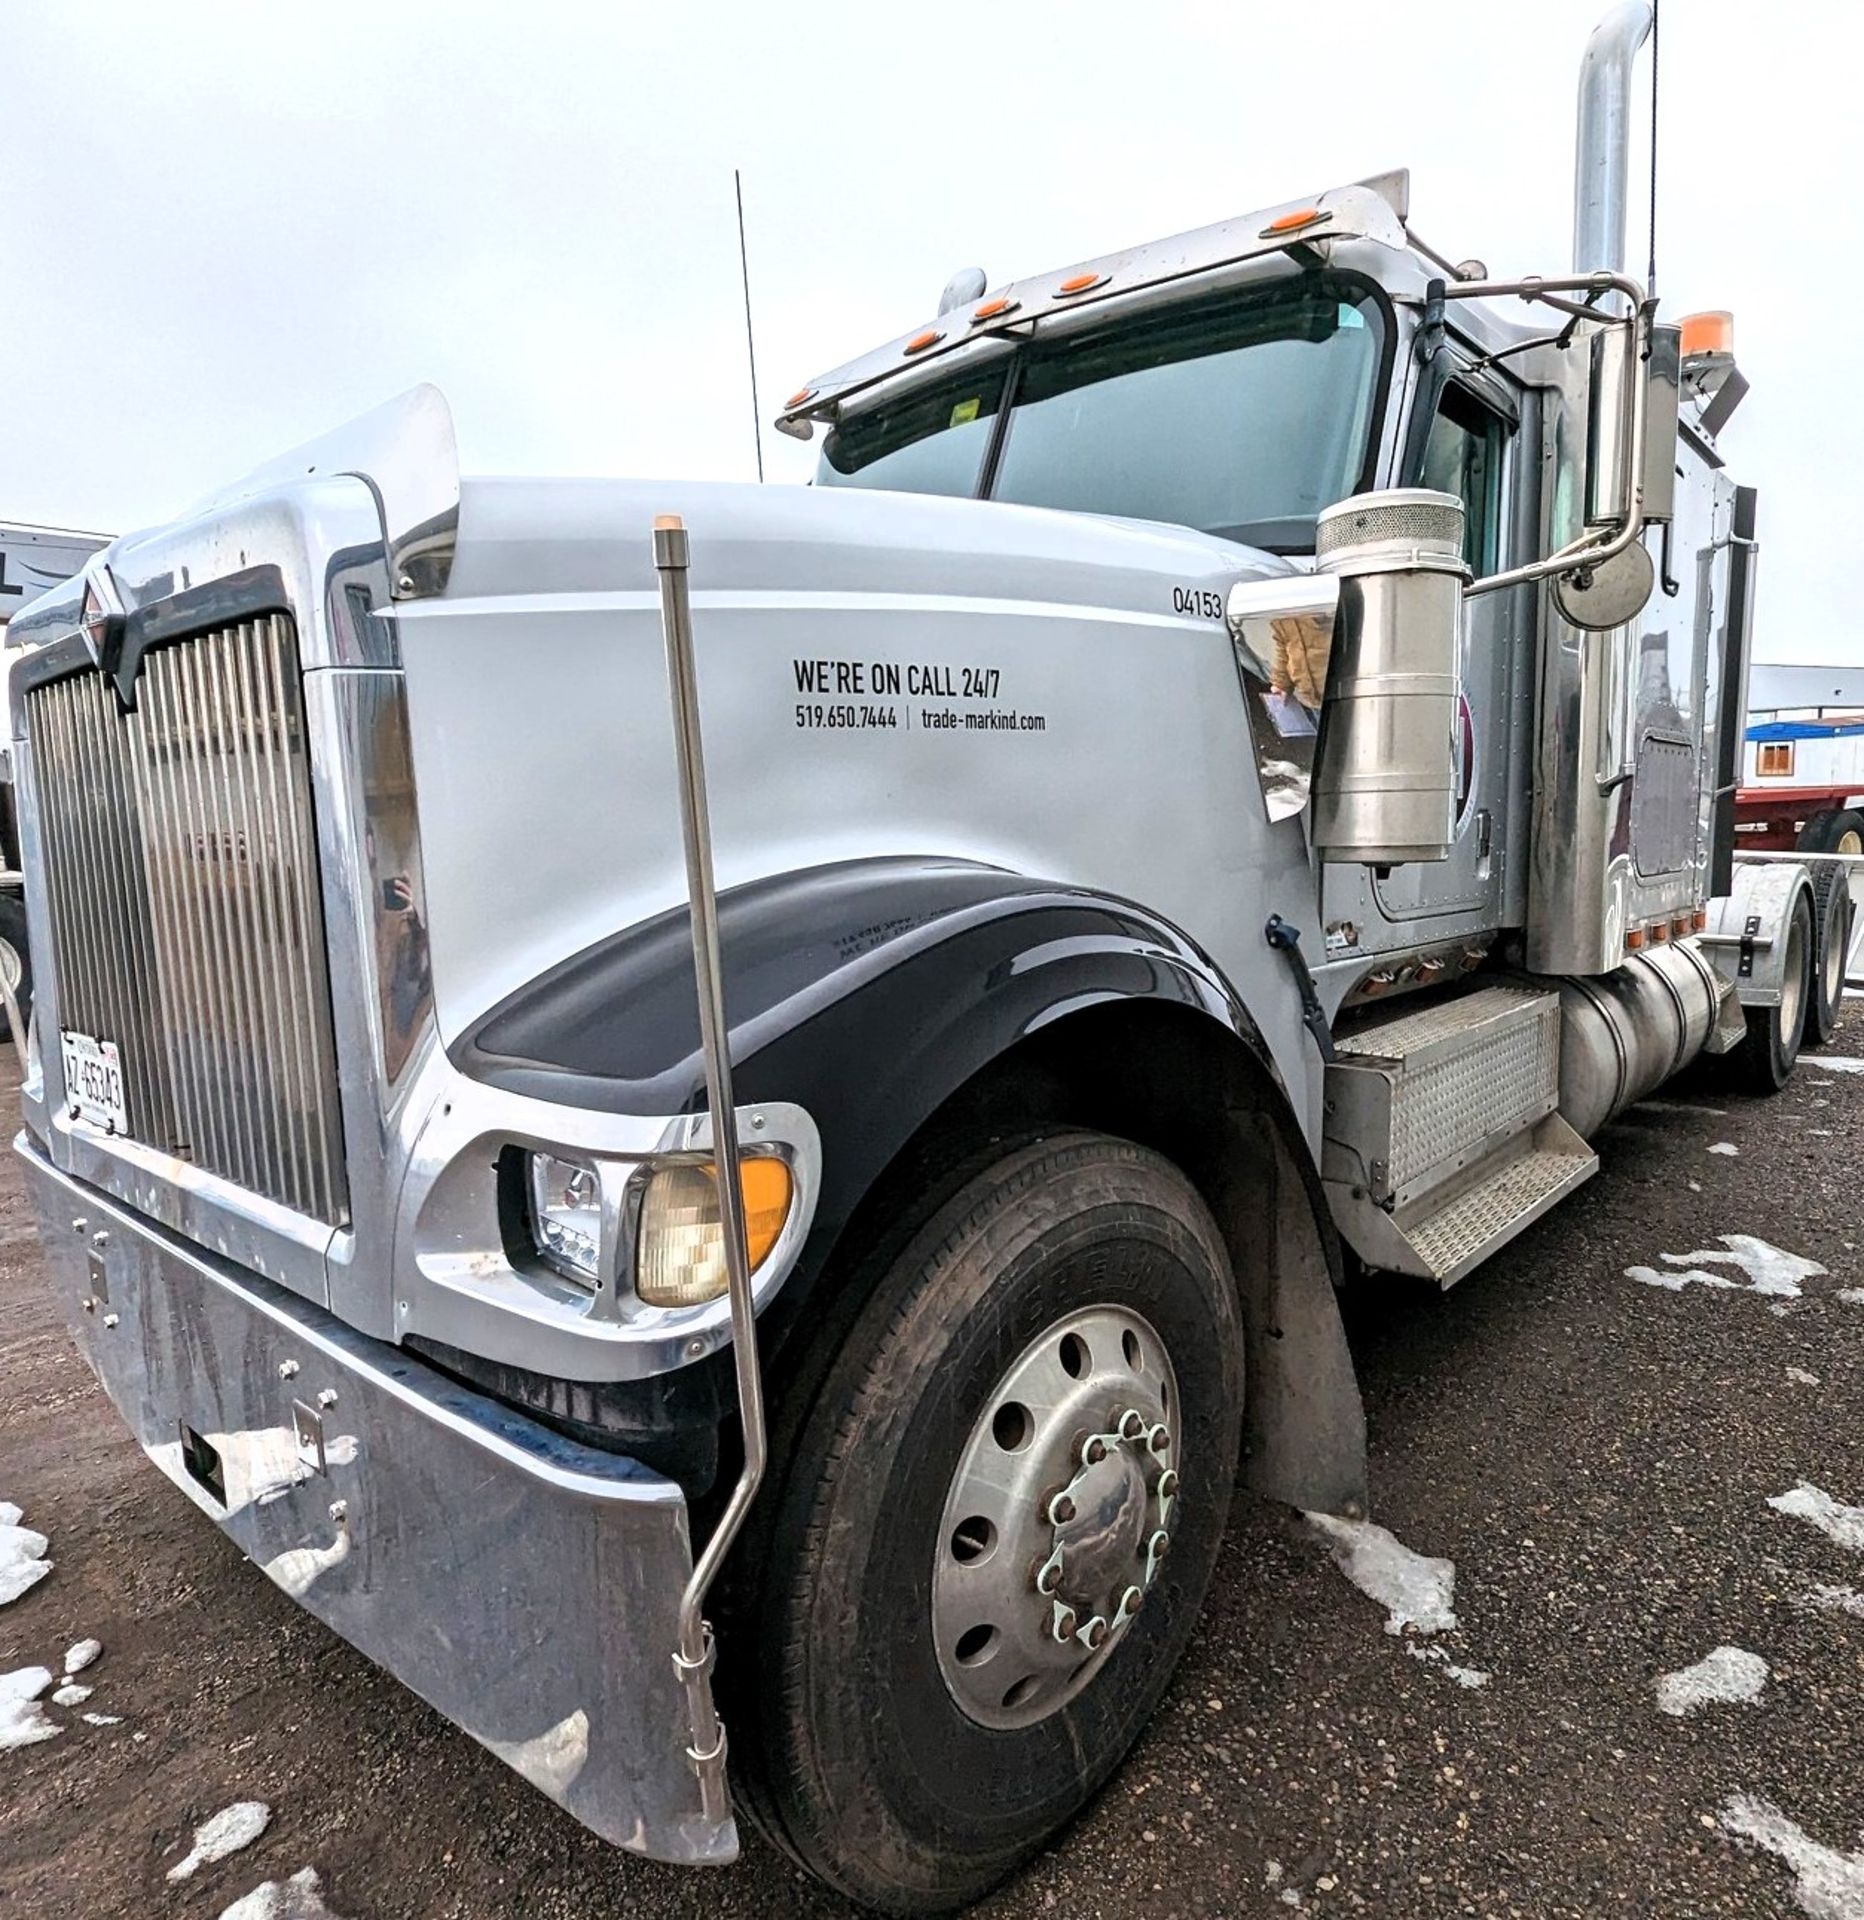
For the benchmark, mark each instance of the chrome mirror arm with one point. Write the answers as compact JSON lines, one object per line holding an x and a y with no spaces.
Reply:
{"x":1594,"y":548}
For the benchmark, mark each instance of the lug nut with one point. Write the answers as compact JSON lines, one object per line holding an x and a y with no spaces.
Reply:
{"x":287,"y":1369}
{"x":1132,"y":1424}
{"x":1093,"y":1635}
{"x":1061,"y":1509}
{"x":1048,"y":1576}
{"x":339,"y":1511}
{"x":1093,"y":1450}
{"x":1159,"y":1439}
{"x":1132,"y":1600}
{"x":1168,"y":1483}
{"x":327,"y":1398}
{"x":1063,"y":1625}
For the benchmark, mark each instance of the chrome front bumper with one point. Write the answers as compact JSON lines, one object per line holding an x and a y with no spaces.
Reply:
{"x":525,"y":1586}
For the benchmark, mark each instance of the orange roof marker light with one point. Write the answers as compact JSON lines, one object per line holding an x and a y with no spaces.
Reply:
{"x":798,"y":397}
{"x":1293,"y":222}
{"x":1080,"y":282}
{"x":1708,"y":333}
{"x":920,"y":341}
{"x":994,"y":309}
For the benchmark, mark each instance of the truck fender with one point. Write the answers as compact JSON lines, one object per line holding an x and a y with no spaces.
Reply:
{"x":872,"y":991}
{"x":1746,"y":934}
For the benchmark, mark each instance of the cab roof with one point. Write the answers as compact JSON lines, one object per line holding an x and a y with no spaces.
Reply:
{"x":1372,"y":210}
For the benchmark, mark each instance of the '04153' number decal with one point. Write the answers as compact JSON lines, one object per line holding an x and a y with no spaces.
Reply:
{"x":1205,"y":602}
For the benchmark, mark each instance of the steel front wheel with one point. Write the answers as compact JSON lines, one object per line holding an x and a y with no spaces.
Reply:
{"x":998,"y":1525}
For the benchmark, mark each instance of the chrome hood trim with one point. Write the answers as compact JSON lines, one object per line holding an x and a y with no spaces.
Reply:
{"x":405,"y":452}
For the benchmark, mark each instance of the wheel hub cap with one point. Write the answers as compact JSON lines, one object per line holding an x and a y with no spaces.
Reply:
{"x":1057,"y":1519}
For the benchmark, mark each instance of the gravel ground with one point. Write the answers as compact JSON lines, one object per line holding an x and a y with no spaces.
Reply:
{"x":1595,"y":1454}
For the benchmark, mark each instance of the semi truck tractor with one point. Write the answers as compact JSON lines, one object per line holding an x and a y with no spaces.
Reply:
{"x":709,"y":1109}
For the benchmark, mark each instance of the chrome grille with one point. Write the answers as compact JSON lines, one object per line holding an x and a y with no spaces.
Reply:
{"x":181,"y":878}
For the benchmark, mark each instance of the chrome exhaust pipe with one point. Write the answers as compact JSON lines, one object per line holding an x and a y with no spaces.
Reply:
{"x":1602,"y":149}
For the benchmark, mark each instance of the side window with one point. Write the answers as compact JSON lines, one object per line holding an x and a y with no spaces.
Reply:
{"x":1464,"y":456}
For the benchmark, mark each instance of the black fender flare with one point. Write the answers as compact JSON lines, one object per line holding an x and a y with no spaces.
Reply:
{"x":870,"y":992}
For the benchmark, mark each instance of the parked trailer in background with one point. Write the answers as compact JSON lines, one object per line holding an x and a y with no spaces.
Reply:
{"x":32,"y":559}
{"x":1202,"y":790}
{"x":1802,"y":791}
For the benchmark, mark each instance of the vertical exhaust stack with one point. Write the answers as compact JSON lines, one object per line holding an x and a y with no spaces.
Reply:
{"x":1602,"y":149}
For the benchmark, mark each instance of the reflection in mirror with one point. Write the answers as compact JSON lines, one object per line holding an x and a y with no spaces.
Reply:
{"x":1282,"y":631}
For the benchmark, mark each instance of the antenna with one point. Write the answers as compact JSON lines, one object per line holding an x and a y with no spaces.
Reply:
{"x":750,"y":339}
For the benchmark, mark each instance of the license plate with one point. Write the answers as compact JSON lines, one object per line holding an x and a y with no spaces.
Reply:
{"x":94,"y":1081}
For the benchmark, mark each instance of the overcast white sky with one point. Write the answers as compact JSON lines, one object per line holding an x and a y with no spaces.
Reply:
{"x":230,"y":227}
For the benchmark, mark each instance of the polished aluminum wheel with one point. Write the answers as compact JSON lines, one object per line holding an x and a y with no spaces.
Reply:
{"x":1793,"y":983}
{"x":1058,"y":1517}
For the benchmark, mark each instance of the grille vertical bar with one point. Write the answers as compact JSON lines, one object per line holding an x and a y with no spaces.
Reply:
{"x":181,"y":878}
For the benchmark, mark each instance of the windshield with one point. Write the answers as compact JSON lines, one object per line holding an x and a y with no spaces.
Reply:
{"x":1243,"y":418}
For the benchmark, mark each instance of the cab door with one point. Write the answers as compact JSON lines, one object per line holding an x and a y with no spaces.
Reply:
{"x":1470,"y":449}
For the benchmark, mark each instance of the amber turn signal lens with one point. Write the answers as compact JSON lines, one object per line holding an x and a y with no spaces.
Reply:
{"x":920,"y":341}
{"x":680,"y":1249}
{"x":1080,"y":282}
{"x":798,"y":397}
{"x":1708,"y":332}
{"x":1293,"y":222}
{"x":993,"y":309}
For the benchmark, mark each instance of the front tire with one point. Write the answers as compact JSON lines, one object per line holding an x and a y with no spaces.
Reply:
{"x":998,"y":1524}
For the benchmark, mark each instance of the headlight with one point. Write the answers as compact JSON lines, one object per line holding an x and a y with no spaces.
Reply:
{"x":680,"y":1252}
{"x":566,"y":1217}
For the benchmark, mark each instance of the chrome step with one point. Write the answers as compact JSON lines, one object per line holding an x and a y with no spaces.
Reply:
{"x":1441,"y":1139}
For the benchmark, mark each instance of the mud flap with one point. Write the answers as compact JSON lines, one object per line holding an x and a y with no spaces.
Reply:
{"x":1304,"y":1425}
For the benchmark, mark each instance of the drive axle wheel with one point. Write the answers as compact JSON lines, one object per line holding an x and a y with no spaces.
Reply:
{"x":1833,"y":917}
{"x":997,"y":1526}
{"x":1766,"y":1058}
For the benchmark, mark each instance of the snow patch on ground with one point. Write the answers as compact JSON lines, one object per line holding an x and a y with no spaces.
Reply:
{"x":299,"y":1898}
{"x":22,"y":1555}
{"x":1463,"y":1676}
{"x":1828,"y":1885}
{"x":227,"y":1832}
{"x":103,"y":1719}
{"x":1414,"y":1590}
{"x":1832,"y":1600}
{"x":1841,"y":1063}
{"x":80,"y":1656}
{"x":1727,"y":1148}
{"x":1852,"y":1296}
{"x":1840,"y":1524}
{"x":1729,"y":1675}
{"x":1801,"y":1378}
{"x":1769,"y":1270}
{"x":22,"y":1719}
{"x":71,"y":1696}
